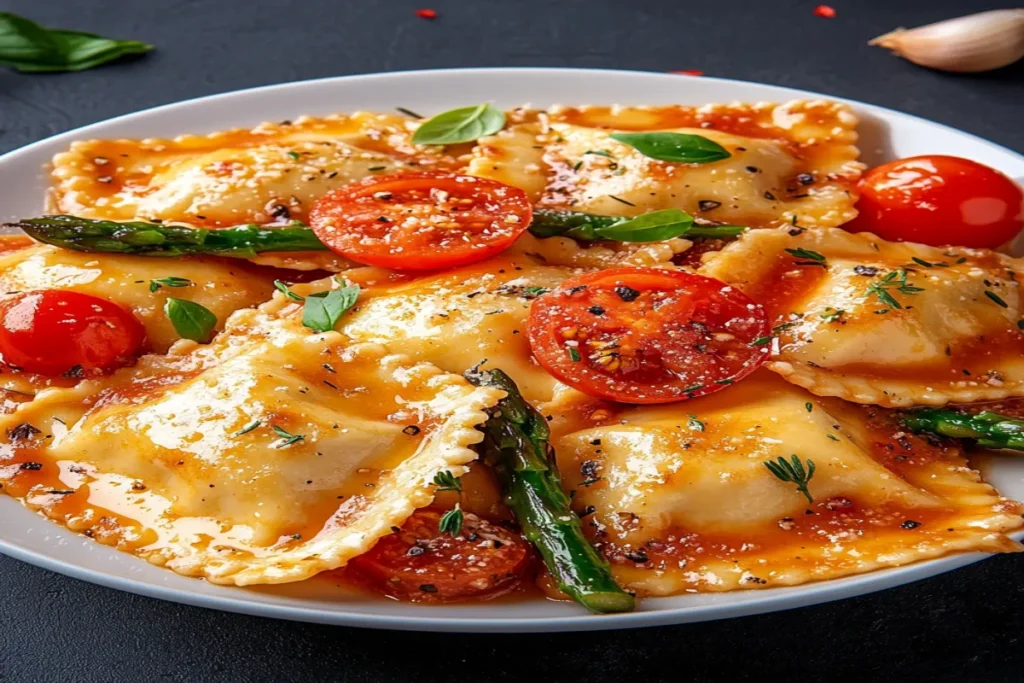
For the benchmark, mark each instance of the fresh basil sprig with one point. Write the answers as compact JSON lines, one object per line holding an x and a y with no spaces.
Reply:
{"x":322,"y":310}
{"x":465,"y":124}
{"x":191,"y":320}
{"x":31,"y":48}
{"x":679,"y":147}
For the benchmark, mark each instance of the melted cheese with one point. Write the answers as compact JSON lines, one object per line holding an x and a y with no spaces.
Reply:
{"x":220,"y":285}
{"x":193,"y":460}
{"x":682,"y":500}
{"x":795,"y":161}
{"x":957,"y":339}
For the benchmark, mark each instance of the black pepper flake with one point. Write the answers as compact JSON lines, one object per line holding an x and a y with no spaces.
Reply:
{"x":280,"y":212}
{"x":105,"y":179}
{"x":411,"y":430}
{"x":708,"y":204}
{"x":638,"y":556}
{"x":769,"y":195}
{"x":76,"y":372}
{"x":588,"y":468}
{"x":22,"y":432}
{"x":415,"y":551}
{"x":596,"y":310}
{"x":627,"y":294}
{"x":867,"y":271}
{"x":910,"y":524}
{"x":383,"y":219}
{"x":805,"y":179}
{"x":577,"y":289}
{"x":31,"y":466}
{"x":428,"y":588}
{"x":753,"y":169}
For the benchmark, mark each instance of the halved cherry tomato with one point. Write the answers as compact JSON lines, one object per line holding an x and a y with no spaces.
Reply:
{"x":647,"y":335}
{"x":53,"y":332}
{"x":421,"y":221}
{"x":939,"y":200}
{"x":420,"y":564}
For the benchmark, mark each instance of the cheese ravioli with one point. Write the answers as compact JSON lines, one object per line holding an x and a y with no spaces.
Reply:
{"x":794,"y":161}
{"x":265,"y":457}
{"x":894,"y":324}
{"x":679,"y":499}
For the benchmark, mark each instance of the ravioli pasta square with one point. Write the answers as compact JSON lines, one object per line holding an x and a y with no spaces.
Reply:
{"x":679,"y":499}
{"x":893,"y":324}
{"x":789,"y":162}
{"x":268,"y":456}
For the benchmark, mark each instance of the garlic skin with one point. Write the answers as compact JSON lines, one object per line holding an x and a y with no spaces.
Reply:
{"x":978,"y":42}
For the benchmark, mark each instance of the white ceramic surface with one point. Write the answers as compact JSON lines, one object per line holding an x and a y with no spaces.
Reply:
{"x":885,"y":134}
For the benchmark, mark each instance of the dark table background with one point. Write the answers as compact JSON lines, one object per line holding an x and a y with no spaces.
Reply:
{"x":962,"y":626}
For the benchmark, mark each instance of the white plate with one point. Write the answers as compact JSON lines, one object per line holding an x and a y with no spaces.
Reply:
{"x":885,"y":134}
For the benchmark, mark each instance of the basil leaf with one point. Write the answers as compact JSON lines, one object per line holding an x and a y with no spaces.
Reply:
{"x":679,"y":147}
{"x":323,"y":309}
{"x":460,"y":125}
{"x":648,"y":227}
{"x":31,"y":48}
{"x":190,"y":320}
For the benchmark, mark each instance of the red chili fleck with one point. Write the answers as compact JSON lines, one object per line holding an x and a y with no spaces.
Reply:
{"x":825,"y":11}
{"x":426,"y":14}
{"x":688,"y":72}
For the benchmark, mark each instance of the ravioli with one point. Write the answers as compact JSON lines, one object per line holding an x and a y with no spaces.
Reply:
{"x":893,"y":324}
{"x":678,"y":498}
{"x":789,"y":162}
{"x":265,"y":457}
{"x":222,"y":286}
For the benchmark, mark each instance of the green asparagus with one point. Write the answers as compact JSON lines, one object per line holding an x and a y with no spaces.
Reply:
{"x":245,"y":241}
{"x":516,"y":445}
{"x":989,"y":430}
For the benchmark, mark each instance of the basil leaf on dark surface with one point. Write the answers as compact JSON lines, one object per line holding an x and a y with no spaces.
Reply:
{"x":679,"y":147}
{"x":191,"y":320}
{"x":30,"y":48}
{"x":648,"y":227}
{"x":465,"y":124}
{"x":323,"y":309}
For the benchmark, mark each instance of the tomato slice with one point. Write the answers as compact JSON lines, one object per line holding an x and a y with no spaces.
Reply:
{"x":647,"y":335}
{"x":421,"y":221}
{"x":939,"y":200}
{"x":54,"y":332}
{"x":420,"y":564}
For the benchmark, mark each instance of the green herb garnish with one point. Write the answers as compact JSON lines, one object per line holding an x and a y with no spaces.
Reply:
{"x":695,"y":424}
{"x":897,"y":280}
{"x":288,"y":437}
{"x":995,"y":297}
{"x":811,"y":258}
{"x":159,"y":282}
{"x":30,"y":48}
{"x":284,"y":289}
{"x":248,"y":428}
{"x":191,"y":320}
{"x":793,"y":471}
{"x":323,"y":309}
{"x":677,"y":147}
{"x":465,"y":124}
{"x":451,"y":522}
{"x":446,"y":481}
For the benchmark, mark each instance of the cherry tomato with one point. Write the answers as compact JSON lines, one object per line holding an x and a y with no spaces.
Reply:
{"x":53,"y":332}
{"x":939,"y":200}
{"x":421,"y":221}
{"x":421,"y":564}
{"x":647,"y":335}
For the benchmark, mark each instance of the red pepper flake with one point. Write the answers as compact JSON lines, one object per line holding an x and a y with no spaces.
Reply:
{"x":688,"y":72}
{"x":426,"y":14}
{"x":825,"y":12}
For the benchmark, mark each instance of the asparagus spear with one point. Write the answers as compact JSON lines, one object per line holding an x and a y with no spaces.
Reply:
{"x":990,"y":430}
{"x":516,"y":445}
{"x":656,"y":225}
{"x":244,"y":241}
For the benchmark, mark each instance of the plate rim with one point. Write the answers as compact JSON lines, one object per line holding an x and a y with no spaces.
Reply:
{"x":776,"y":599}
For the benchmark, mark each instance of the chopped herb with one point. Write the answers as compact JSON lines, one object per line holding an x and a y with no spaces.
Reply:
{"x":692,"y":388}
{"x":191,"y":320}
{"x":293,"y":155}
{"x":807,"y":254}
{"x":599,"y":152}
{"x":782,"y":327}
{"x":574,"y":355}
{"x":323,"y":309}
{"x":832,"y":315}
{"x":894,"y":279}
{"x":446,"y":481}
{"x":451,"y":522}
{"x":833,"y":437}
{"x":962,"y":259}
{"x":793,"y":471}
{"x":761,"y":341}
{"x":809,"y":406}
{"x":289,"y":438}
{"x":695,"y":424}
{"x":168,"y":282}
{"x":376,"y":168}
{"x":620,"y":200}
{"x":921,"y":262}
{"x":534,"y":292}
{"x":248,"y":428}
{"x":284,"y":289}
{"x":995,"y":297}
{"x":409,"y":112}
{"x":724,"y":381}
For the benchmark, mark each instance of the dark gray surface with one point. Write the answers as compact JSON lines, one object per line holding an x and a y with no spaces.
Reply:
{"x":963,"y":626}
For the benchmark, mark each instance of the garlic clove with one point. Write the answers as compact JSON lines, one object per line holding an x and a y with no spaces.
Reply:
{"x":978,"y":42}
